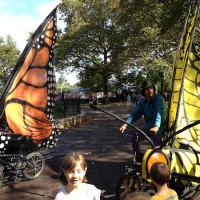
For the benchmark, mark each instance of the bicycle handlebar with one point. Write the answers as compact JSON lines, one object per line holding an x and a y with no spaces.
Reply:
{"x":118,"y":118}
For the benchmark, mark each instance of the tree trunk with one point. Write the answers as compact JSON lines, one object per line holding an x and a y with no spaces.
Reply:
{"x":162,"y":80}
{"x":105,"y":74}
{"x":105,"y":83}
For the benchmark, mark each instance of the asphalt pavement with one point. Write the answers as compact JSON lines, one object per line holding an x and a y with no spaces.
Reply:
{"x":107,"y":152}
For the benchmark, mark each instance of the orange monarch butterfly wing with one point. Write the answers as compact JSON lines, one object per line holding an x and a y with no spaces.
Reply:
{"x":29,"y":99}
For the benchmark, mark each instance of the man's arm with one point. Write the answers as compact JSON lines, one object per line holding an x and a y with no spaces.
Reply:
{"x":159,"y":106}
{"x":136,"y":114}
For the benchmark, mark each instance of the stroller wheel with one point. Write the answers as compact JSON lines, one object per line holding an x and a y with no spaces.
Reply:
{"x":1,"y":177}
{"x":196,"y":196}
{"x":34,"y":165}
{"x":127,"y":184}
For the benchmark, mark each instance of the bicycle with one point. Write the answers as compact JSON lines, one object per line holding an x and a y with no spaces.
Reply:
{"x":137,"y":178}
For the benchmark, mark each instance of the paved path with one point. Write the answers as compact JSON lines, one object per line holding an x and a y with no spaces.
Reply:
{"x":106,"y":150}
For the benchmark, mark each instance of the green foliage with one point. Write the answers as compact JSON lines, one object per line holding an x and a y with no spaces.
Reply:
{"x":158,"y":39}
{"x":9,"y":55}
{"x":111,"y":42}
{"x":62,"y":84}
{"x":94,"y":41}
{"x":94,"y":79}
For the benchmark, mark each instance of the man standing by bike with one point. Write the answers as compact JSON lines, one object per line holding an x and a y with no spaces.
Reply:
{"x":153,"y":107}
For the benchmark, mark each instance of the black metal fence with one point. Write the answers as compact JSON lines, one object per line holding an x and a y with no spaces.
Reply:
{"x":72,"y":106}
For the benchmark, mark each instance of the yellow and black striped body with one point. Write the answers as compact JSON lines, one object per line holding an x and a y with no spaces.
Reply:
{"x":185,"y":101}
{"x":181,"y":152}
{"x":181,"y":161}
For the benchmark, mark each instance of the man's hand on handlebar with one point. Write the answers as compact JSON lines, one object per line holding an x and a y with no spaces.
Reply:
{"x":154,"y":130}
{"x":123,"y":128}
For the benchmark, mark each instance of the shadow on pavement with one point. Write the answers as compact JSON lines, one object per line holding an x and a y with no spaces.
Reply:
{"x":107,"y":152}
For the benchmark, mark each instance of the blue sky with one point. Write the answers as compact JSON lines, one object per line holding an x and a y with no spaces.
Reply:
{"x":16,"y":7}
{"x":19,"y":17}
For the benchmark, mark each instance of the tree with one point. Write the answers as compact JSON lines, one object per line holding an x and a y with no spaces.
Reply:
{"x":93,"y":39}
{"x":62,"y":84}
{"x":161,"y":26}
{"x":9,"y":55}
{"x":107,"y":39}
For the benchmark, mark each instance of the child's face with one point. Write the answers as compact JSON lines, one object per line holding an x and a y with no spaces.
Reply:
{"x":75,"y":176}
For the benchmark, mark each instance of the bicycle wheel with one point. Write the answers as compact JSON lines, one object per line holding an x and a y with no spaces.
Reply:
{"x":34,"y":165}
{"x":128,"y":183}
{"x":196,"y":196}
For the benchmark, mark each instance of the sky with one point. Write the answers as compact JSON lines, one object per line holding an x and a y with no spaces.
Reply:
{"x":19,"y":17}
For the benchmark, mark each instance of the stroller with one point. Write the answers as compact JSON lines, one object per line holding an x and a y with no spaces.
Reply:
{"x":27,"y":107}
{"x":181,"y":142}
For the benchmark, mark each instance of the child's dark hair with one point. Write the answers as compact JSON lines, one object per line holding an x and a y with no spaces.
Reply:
{"x":160,"y":173}
{"x":138,"y":196}
{"x":69,"y":163}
